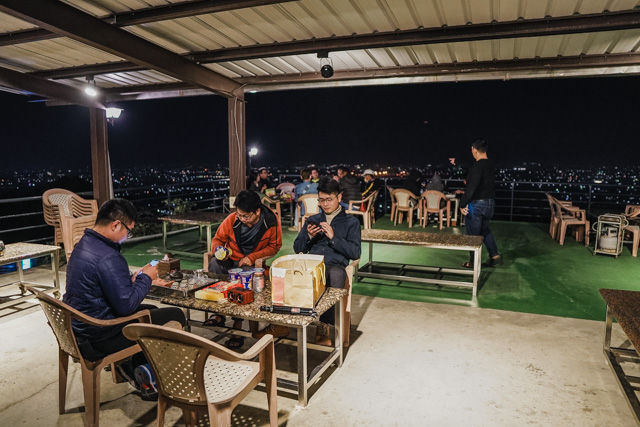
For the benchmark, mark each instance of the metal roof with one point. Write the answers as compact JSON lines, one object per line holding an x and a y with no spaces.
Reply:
{"x":135,"y":48}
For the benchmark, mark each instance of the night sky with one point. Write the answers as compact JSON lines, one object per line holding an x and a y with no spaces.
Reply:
{"x":590,"y":121}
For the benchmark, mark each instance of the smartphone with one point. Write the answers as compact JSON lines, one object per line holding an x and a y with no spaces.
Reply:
{"x":153,"y":262}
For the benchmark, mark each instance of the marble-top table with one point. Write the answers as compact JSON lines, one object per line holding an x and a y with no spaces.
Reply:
{"x":428,"y":240}
{"x":15,"y":253}
{"x":251,"y":312}
{"x":203,"y":219}
{"x":625,"y":307}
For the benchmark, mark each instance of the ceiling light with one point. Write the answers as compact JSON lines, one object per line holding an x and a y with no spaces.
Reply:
{"x":113,"y":112}
{"x":90,"y":88}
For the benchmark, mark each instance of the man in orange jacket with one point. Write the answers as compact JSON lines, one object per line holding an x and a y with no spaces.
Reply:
{"x":252,"y":232}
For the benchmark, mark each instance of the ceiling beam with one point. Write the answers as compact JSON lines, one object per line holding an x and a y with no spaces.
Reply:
{"x":462,"y":33}
{"x":559,"y":63}
{"x":68,"y":21}
{"x":145,"y":16}
{"x":34,"y":85}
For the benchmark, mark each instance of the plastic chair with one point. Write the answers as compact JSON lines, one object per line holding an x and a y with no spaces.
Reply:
{"x":576,"y":217}
{"x":555,"y":214}
{"x":59,"y":317}
{"x":633,"y":211}
{"x":366,"y":214}
{"x":201,"y":376}
{"x":405,"y":201}
{"x":274,"y":205}
{"x":393,"y":203}
{"x":311,"y":207}
{"x":69,"y":214}
{"x":286,"y":188}
{"x":431,"y":203}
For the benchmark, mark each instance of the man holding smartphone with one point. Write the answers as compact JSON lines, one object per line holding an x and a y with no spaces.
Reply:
{"x":100,"y":285}
{"x":335,"y":235}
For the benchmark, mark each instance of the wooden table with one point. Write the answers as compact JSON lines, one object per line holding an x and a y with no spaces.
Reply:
{"x":15,"y":253}
{"x":203,"y":219}
{"x":625,"y":306}
{"x":331,"y":297}
{"x":427,"y":240}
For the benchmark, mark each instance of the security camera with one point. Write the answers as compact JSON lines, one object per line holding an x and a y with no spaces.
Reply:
{"x":326,"y":71}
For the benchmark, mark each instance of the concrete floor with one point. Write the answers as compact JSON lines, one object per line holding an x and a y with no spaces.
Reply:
{"x":410,"y":363}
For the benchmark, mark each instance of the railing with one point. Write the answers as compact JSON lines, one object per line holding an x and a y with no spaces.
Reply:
{"x":21,"y":219}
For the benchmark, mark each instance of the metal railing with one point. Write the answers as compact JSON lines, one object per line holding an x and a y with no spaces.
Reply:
{"x":21,"y":219}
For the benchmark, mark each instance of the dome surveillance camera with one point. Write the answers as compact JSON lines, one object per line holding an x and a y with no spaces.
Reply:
{"x":326,"y":71}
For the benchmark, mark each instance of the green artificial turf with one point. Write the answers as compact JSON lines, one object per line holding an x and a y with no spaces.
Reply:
{"x":538,"y":275}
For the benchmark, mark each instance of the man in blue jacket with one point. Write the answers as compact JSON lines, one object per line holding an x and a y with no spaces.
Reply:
{"x":100,"y":285}
{"x":335,"y":235}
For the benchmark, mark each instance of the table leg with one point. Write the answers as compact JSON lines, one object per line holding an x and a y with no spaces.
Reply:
{"x":339,"y":327}
{"x":607,"y":330}
{"x":209,"y":238}
{"x":164,"y":236}
{"x":476,"y":270}
{"x":20,"y":272}
{"x":302,"y":366}
{"x":371,"y":254}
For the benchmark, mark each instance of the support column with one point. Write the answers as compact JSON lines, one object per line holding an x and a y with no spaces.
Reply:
{"x":100,"y":163}
{"x":237,"y":144}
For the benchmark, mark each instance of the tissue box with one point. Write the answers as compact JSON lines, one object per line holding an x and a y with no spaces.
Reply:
{"x":165,"y":266}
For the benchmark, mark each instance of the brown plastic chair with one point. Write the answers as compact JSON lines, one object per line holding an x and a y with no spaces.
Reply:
{"x":555,"y":214}
{"x":571,"y":216}
{"x":368,"y":202}
{"x":274,"y":205}
{"x":200,"y":376}
{"x":405,"y":201}
{"x":346,"y":303}
{"x":393,"y":203}
{"x":431,"y":203}
{"x":59,"y":317}
{"x":633,"y":211}
{"x":286,"y":188}
{"x":311,"y":207}
{"x":69,"y":214}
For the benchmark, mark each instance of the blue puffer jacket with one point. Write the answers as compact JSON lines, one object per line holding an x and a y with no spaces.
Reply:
{"x":99,"y":285}
{"x":345,"y":245}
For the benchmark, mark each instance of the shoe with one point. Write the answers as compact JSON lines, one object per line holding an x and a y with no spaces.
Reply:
{"x":322,"y":335}
{"x":276,"y":330}
{"x":467,"y":264}
{"x":215,"y":320}
{"x":495,"y":261}
{"x":235,"y":342}
{"x":146,"y":380}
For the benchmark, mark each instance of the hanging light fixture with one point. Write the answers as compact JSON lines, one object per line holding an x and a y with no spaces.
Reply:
{"x":90,"y":88}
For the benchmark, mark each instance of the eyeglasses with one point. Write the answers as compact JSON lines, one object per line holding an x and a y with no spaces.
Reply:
{"x":327,"y":200}
{"x":129,"y":231}
{"x":245,"y":216}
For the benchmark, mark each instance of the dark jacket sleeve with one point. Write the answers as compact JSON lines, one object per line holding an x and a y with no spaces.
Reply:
{"x":303,"y":243}
{"x":350,"y":245}
{"x":473,"y":181}
{"x":123,"y":296}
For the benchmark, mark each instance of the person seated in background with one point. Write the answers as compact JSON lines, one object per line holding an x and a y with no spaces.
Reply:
{"x":249,"y":233}
{"x":260,"y":183}
{"x":100,"y":285}
{"x":349,"y":186}
{"x":335,"y":235}
{"x":412,"y":182}
{"x":370,"y":183}
{"x":436,"y":183}
{"x":315,"y":175}
{"x":305,"y":187}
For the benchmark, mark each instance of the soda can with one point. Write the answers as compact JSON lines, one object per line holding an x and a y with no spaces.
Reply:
{"x":246,"y":278}
{"x":234,"y":274}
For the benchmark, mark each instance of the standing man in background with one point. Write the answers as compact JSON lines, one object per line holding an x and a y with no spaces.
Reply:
{"x":478,"y":202}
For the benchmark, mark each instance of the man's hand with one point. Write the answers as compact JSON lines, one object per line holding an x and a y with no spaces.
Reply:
{"x":245,"y":261}
{"x":313,"y":229}
{"x":327,"y":230}
{"x":464,"y":211}
{"x":150,"y":271}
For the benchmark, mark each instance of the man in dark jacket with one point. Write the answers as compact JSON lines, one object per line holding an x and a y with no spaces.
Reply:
{"x":100,"y":285}
{"x":335,"y":235}
{"x":478,"y":202}
{"x":349,"y":186}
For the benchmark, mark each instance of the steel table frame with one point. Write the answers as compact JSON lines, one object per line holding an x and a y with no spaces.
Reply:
{"x":184,"y":219}
{"x":35,"y":252}
{"x":624,"y":381}
{"x":306,"y":379}
{"x":475,"y":272}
